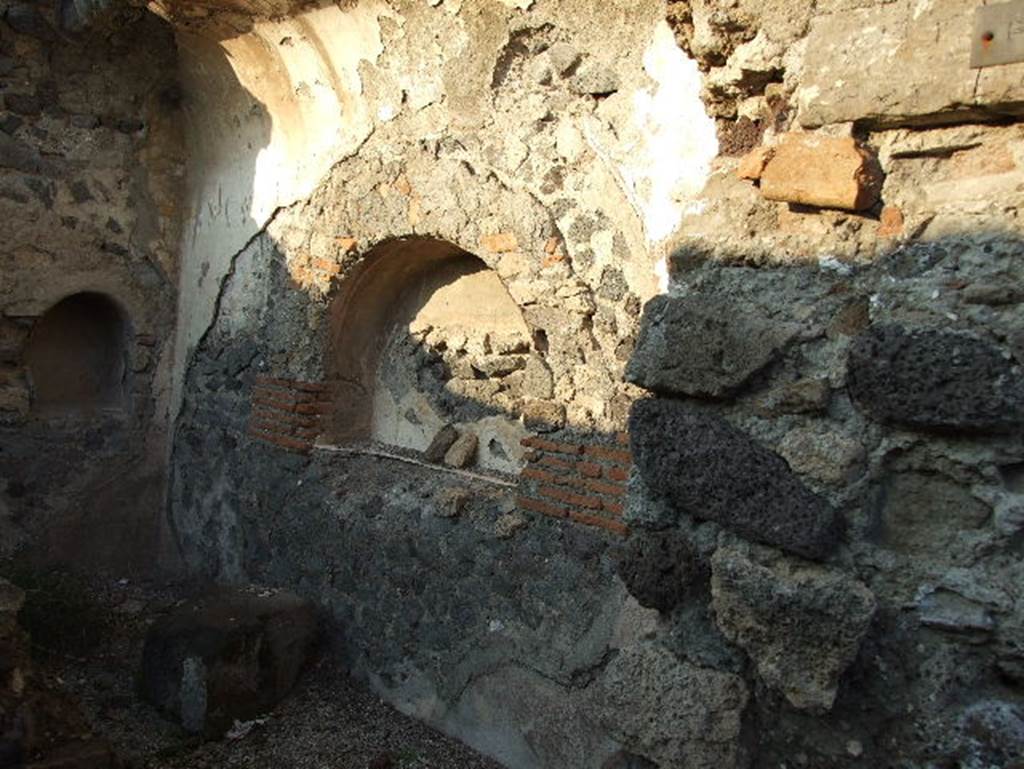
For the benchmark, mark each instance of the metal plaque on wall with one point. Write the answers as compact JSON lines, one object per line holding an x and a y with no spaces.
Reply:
{"x":998,"y":36}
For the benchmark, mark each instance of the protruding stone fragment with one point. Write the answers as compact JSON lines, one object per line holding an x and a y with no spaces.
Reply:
{"x":463,"y":451}
{"x":442,"y":441}
{"x":657,"y":567}
{"x":821,"y":454}
{"x":824,"y":171}
{"x":702,"y":346}
{"x":752,"y":164}
{"x":232,"y":654}
{"x":931,"y":378}
{"x":713,"y":471}
{"x":801,"y":624}
{"x":543,"y":416}
{"x":805,"y":396}
{"x":672,"y":712}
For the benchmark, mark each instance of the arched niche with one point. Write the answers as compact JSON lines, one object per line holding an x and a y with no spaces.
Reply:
{"x":76,"y":355}
{"x":423,"y":335}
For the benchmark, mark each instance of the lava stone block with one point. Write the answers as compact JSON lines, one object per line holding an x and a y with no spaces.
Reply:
{"x":935,"y":379}
{"x":713,"y":471}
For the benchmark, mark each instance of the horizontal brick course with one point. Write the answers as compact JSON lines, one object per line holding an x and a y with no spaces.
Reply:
{"x":610,"y":454}
{"x":603,"y":487}
{"x":283,"y":441}
{"x":526,"y":503}
{"x":586,"y":480}
{"x":286,"y":413}
{"x":592,"y":520}
{"x":533,"y":442}
{"x":571,"y":498}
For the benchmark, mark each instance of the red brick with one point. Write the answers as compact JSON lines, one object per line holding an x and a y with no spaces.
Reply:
{"x":315,"y":408}
{"x":282,"y":441}
{"x":541,"y":475}
{"x":592,"y":520}
{"x":609,"y":454}
{"x":274,"y":403}
{"x":533,"y":442}
{"x":557,"y":463}
{"x":570,"y":498}
{"x":313,"y":387}
{"x":615,"y":508}
{"x":617,"y":474}
{"x":536,"y":506}
{"x":602,"y":487}
{"x":302,"y":420}
{"x":590,"y":470}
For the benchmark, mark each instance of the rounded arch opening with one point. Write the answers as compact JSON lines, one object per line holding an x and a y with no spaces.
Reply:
{"x":76,"y":355}
{"x":425,"y":335}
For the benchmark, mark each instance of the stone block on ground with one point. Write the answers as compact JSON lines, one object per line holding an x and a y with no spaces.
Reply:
{"x":231,"y":654}
{"x":714,"y":471}
{"x":442,"y":441}
{"x":702,"y":346}
{"x":463,"y":451}
{"x":801,"y":624}
{"x":672,"y":712}
{"x":822,"y":171}
{"x":933,"y":378}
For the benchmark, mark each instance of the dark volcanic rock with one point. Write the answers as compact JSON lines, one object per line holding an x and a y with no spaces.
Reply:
{"x":657,"y":567}
{"x":232,"y":654}
{"x":931,"y":378}
{"x":702,"y":346}
{"x":715,"y":472}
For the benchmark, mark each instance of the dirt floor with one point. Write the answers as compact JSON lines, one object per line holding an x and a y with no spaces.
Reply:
{"x":328,"y":721}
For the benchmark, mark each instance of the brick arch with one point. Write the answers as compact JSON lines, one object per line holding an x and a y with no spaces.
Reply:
{"x":404,"y":296}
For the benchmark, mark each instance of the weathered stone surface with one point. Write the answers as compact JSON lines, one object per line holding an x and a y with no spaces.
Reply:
{"x":931,"y":378}
{"x":824,"y":171}
{"x":927,"y":513}
{"x":463,"y":451}
{"x":543,"y":416}
{"x":801,"y":624}
{"x":699,"y":711}
{"x":440,"y":443}
{"x":714,"y":471}
{"x":12,"y":597}
{"x":822,"y":454}
{"x":702,"y":346}
{"x":232,"y":654}
{"x":658,"y":568}
{"x":805,"y":396}
{"x":910,"y":70}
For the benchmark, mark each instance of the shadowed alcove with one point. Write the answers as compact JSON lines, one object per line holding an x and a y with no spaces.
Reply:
{"x":425,"y":335}
{"x":76,"y":355}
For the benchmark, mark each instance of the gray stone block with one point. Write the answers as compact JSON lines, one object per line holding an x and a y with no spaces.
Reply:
{"x":672,"y":712}
{"x":701,"y":346}
{"x":713,"y":471}
{"x":232,"y":654}
{"x":801,"y":624}
{"x":658,"y":568}
{"x":931,"y":378}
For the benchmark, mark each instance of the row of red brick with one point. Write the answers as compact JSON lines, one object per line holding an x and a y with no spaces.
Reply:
{"x":287,"y":412}
{"x":582,"y":482}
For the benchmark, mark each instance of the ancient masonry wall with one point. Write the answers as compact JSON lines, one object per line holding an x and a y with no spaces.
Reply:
{"x":775,"y":248}
{"x":817,"y":554}
{"x":91,"y":165}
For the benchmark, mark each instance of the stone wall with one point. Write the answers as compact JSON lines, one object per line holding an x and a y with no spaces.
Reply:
{"x":774,"y":247}
{"x":90,"y":169}
{"x":814,"y":561}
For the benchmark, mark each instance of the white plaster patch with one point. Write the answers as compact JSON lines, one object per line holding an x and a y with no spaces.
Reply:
{"x":663,"y":150}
